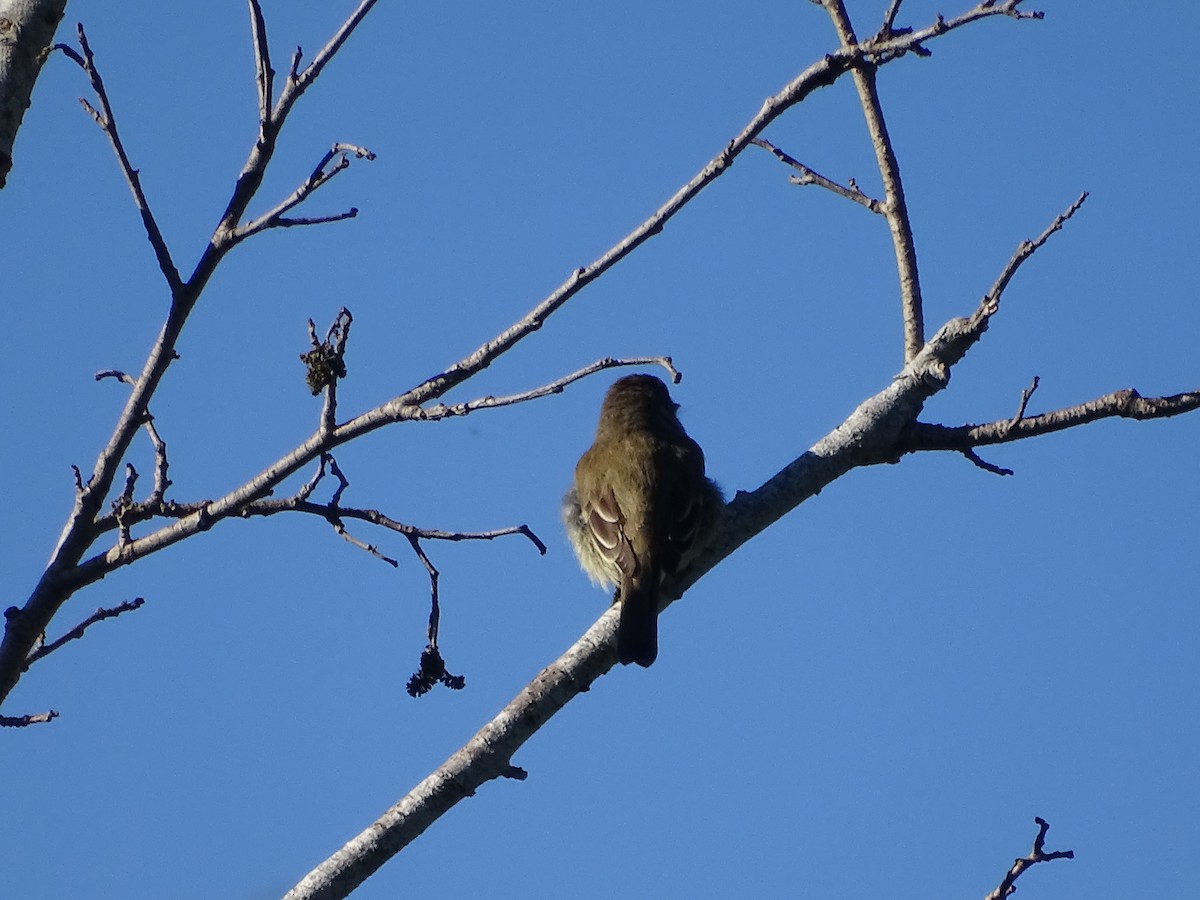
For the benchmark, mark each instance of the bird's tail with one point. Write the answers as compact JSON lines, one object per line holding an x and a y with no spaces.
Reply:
{"x":637,"y":633}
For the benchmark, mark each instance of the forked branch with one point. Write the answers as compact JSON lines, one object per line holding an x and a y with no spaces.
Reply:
{"x":65,"y":574}
{"x":1125,"y":404}
{"x":1037,"y":855}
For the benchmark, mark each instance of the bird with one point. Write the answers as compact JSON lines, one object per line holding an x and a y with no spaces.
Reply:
{"x":641,"y":507}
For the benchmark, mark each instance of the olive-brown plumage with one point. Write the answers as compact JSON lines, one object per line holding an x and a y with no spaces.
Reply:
{"x":641,"y":507}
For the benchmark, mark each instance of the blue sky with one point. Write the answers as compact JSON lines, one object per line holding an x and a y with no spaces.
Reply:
{"x":876,"y":696}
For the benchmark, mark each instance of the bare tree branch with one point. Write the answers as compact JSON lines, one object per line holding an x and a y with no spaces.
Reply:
{"x":161,"y":466}
{"x":889,"y":19}
{"x":26,"y":30}
{"x":375,"y":517}
{"x":77,"y":632}
{"x":818,"y":75}
{"x":1037,"y":855}
{"x":1025,"y":396}
{"x":961,"y":334}
{"x":333,"y":512}
{"x":1126,"y":404}
{"x":66,"y":574}
{"x":320,"y":176}
{"x":442,"y":411}
{"x":811,"y":176}
{"x":247,"y":500}
{"x":108,"y":123}
{"x":63,"y":575}
{"x":895,"y":210}
{"x":486,"y":756}
{"x":881,"y":429}
{"x":264,"y":75}
{"x":1026,"y":250}
{"x":870,"y":435}
{"x":23,"y":721}
{"x":975,"y":459}
{"x":326,"y":365}
{"x":326,"y":53}
{"x":295,"y":85}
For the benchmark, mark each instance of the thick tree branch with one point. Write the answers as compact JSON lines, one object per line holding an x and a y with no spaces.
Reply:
{"x":486,"y":756}
{"x":874,"y":433}
{"x":65,"y":574}
{"x":26,"y":30}
{"x":864,"y":438}
{"x":489,"y":754}
{"x":890,"y":413}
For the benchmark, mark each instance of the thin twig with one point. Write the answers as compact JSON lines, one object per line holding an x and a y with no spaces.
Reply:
{"x":293,"y":221}
{"x":343,"y":481}
{"x":228,"y":232}
{"x":161,"y":466}
{"x":77,"y":632}
{"x":340,"y":527}
{"x":1009,"y":8}
{"x":308,"y":487}
{"x":435,"y":611}
{"x":443,"y":411}
{"x":1026,"y":249}
{"x":811,"y":176}
{"x":124,"y":503}
{"x":294,"y":68}
{"x":326,"y":365}
{"x":108,"y":123}
{"x":376,"y":517}
{"x":982,"y":463}
{"x":1025,"y":395}
{"x":889,"y":18}
{"x":326,"y":53}
{"x":333,"y":510}
{"x":264,"y":75}
{"x":975,"y":458}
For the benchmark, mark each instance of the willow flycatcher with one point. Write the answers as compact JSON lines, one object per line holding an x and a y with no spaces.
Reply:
{"x":641,"y":507}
